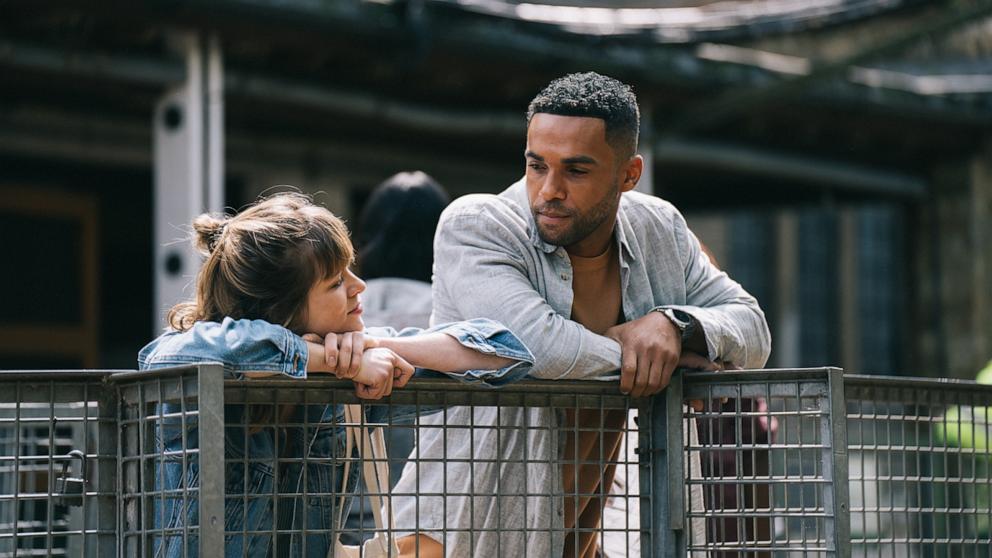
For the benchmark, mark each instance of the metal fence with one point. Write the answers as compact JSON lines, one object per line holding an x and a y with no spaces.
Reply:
{"x":182,"y":462}
{"x":772,"y":463}
{"x":920,"y":472}
{"x":57,"y":429}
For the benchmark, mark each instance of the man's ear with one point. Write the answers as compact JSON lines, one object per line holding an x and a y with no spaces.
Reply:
{"x":631,"y":173}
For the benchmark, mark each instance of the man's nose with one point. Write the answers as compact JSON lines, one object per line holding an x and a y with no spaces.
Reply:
{"x":552,"y":187}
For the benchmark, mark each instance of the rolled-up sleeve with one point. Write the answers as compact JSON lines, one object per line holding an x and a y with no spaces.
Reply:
{"x":484,"y":336}
{"x":733,"y":324}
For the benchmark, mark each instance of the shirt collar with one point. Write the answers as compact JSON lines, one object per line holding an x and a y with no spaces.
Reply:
{"x":626,"y":238}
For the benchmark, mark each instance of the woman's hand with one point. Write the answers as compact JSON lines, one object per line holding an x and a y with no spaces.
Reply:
{"x":343,"y":351}
{"x":379,"y":370}
{"x":694,"y":361}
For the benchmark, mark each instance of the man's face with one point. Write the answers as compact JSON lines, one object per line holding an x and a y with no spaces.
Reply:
{"x":574,"y":181}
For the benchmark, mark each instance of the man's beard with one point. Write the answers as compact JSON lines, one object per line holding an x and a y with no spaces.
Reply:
{"x":582,"y":225}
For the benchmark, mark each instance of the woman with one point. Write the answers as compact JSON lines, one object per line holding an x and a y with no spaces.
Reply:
{"x":274,"y":274}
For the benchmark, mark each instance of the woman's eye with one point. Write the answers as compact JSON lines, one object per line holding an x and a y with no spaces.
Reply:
{"x":338,"y":283}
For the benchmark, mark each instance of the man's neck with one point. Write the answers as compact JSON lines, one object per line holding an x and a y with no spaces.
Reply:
{"x":597,"y":242}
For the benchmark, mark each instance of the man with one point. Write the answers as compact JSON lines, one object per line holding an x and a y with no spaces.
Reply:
{"x":594,"y":278}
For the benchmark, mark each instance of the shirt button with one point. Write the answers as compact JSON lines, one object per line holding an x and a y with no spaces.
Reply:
{"x":564,"y":277}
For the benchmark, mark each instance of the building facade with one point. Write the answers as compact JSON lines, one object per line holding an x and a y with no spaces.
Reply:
{"x":836,"y":158}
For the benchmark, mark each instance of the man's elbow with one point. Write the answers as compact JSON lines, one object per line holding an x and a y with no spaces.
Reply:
{"x":550,"y":364}
{"x":548,"y":372}
{"x":761,"y":347}
{"x":765,"y":349}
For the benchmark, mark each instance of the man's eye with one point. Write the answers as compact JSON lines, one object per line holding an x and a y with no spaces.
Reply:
{"x":578,"y":172}
{"x":536,"y":166}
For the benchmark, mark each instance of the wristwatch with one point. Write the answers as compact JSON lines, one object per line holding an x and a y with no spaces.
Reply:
{"x":685,"y":323}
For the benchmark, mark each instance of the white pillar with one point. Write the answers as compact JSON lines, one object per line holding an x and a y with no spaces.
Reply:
{"x":215,"y":130}
{"x":189,"y":168}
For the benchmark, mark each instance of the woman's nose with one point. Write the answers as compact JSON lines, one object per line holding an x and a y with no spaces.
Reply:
{"x":357,"y":286}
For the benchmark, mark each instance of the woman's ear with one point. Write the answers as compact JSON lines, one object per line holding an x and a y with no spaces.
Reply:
{"x":631,"y":170}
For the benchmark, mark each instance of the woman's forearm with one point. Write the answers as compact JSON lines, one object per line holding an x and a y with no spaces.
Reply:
{"x":443,"y":353}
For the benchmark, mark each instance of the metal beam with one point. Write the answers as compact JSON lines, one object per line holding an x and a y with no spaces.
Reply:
{"x":375,"y":107}
{"x":747,"y":160}
{"x":93,"y":65}
{"x":734,"y":102}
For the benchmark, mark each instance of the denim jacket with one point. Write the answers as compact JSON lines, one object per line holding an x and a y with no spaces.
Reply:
{"x":258,"y":346}
{"x":251,"y":481}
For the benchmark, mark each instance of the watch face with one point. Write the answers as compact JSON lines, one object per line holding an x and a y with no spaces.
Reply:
{"x":682,"y":321}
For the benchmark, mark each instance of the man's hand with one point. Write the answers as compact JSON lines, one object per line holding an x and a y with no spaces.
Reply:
{"x":343,"y":351}
{"x":650,"y":349}
{"x":379,"y":370}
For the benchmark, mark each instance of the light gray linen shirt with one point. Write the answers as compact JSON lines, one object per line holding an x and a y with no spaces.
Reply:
{"x":490,"y":262}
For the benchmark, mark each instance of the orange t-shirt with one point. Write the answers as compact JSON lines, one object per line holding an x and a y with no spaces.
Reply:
{"x":597,"y":305}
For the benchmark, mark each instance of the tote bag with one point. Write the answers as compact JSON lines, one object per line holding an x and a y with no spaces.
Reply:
{"x":375,"y":471}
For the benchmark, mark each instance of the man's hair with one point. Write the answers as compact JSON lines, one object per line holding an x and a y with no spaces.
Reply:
{"x":597,"y":96}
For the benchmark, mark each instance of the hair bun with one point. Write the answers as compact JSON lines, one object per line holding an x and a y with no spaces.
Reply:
{"x":207,"y":230}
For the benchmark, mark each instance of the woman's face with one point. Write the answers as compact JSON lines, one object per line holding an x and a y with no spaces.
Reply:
{"x":333,"y":305}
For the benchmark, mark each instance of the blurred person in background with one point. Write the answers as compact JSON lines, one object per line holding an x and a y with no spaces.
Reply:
{"x":395,"y":239}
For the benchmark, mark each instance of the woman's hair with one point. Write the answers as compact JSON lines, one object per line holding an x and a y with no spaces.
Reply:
{"x":395,"y":233}
{"x":262,"y":262}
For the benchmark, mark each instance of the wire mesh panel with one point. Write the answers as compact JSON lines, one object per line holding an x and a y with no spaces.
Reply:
{"x":170,"y":461}
{"x":289,"y":461}
{"x":57,"y":464}
{"x":523,"y":471}
{"x":765,"y":463}
{"x":921,"y":481}
{"x":532,"y":469}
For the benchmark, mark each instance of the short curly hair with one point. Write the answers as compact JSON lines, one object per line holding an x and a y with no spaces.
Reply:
{"x":597,"y":96}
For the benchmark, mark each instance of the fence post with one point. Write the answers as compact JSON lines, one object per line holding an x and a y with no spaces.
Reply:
{"x":661,"y":480}
{"x":838,"y":461}
{"x":210,"y":393}
{"x":676,"y":458}
{"x":106,"y":478}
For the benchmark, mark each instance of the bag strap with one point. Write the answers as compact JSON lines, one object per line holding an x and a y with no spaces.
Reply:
{"x":375,"y":464}
{"x":349,"y":447}
{"x":375,"y":470}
